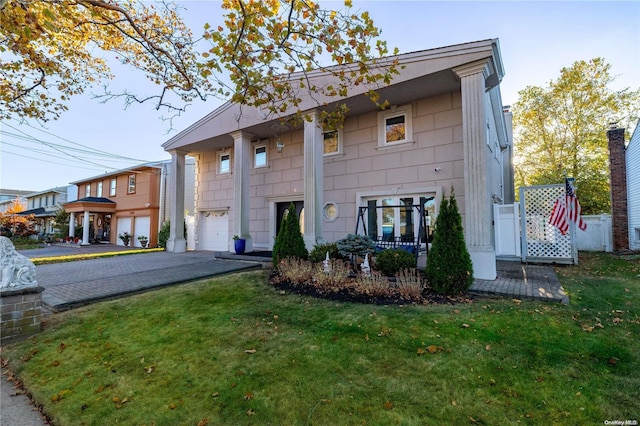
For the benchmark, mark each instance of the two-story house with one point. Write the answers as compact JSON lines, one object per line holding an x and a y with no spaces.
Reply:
{"x":131,"y":200}
{"x":445,"y":129}
{"x":8,"y":197}
{"x":44,"y":205}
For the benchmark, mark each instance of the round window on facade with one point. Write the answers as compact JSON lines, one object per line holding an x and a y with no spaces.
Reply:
{"x":330,"y":211}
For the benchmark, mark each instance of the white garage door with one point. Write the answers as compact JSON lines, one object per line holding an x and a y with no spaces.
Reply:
{"x":123,"y":225}
{"x":214,"y":231}
{"x":143,"y":226}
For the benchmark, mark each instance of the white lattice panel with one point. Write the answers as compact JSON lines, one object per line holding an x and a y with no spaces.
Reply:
{"x":541,"y":240}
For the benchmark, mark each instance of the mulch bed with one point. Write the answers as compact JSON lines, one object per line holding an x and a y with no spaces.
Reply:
{"x":427,"y":297}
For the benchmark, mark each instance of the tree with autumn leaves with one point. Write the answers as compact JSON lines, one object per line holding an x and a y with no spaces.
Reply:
{"x":562,"y":129}
{"x":14,"y":224}
{"x":260,"y":57}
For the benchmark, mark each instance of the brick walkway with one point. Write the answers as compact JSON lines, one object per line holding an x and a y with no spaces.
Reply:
{"x":523,"y":281}
{"x":71,"y":284}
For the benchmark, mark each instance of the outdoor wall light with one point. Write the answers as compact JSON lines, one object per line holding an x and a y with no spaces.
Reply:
{"x":279,"y":145}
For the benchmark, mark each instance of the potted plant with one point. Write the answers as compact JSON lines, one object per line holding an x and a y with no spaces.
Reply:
{"x":239,"y":244}
{"x":125,"y":237}
{"x":143,"y":240}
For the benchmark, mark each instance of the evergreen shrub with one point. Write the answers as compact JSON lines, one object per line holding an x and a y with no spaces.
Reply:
{"x":449,"y":269}
{"x":356,"y":245}
{"x":319,"y":252}
{"x":289,"y":242}
{"x":391,"y":261}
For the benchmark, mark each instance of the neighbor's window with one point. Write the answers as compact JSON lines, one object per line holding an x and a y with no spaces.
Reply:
{"x":87,"y":190}
{"x":131,"y":189}
{"x":112,"y":188}
{"x":224,"y":163}
{"x":259,"y":156}
{"x":99,"y":190}
{"x":394,"y":126}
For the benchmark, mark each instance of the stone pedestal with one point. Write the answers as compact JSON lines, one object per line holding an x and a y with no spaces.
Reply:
{"x":21,"y":312}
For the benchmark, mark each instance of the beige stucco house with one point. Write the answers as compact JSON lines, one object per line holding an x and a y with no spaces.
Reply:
{"x":446,"y":127}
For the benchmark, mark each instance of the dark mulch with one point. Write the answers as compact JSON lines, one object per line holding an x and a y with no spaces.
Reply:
{"x":350,"y":295}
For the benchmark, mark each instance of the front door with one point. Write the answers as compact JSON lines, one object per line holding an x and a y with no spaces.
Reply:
{"x":282,"y":210}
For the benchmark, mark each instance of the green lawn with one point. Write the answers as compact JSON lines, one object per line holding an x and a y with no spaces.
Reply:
{"x":234,"y":351}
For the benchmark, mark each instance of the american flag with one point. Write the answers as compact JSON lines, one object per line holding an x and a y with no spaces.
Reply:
{"x":567,"y":210}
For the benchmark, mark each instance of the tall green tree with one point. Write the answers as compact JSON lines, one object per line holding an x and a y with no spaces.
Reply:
{"x":562,"y":129}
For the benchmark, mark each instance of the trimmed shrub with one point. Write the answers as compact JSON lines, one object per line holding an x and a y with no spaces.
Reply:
{"x":391,"y":261}
{"x":289,"y":242}
{"x":163,"y":235}
{"x":319,"y":252}
{"x":449,"y":269}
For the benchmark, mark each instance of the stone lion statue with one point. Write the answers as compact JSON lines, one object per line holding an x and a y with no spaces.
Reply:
{"x":15,"y":270}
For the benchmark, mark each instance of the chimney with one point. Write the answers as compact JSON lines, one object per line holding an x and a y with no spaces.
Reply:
{"x":618,"y":169}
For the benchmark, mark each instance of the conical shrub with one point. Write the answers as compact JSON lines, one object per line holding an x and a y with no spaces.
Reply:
{"x":449,"y":269}
{"x":289,"y":241}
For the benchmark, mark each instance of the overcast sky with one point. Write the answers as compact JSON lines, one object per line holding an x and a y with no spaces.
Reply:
{"x":537,"y":39}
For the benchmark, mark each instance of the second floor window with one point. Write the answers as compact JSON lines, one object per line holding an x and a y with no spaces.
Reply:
{"x":99,"y":190}
{"x":131,"y":189}
{"x":225,"y":163}
{"x":87,"y":190}
{"x":112,"y":189}
{"x":395,"y":126}
{"x":260,"y":156}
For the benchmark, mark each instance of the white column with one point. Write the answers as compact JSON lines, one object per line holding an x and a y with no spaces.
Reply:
{"x":241,"y":180}
{"x":313,"y":178}
{"x":478,"y":226}
{"x":85,"y":229}
{"x":176,"y":242}
{"x":72,"y":224}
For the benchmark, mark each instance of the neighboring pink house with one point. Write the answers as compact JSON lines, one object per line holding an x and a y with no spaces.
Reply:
{"x":446,"y":128}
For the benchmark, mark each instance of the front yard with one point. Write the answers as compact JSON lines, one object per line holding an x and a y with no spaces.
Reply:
{"x":234,"y":350}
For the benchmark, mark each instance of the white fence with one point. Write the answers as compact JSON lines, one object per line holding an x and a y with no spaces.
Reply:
{"x":598,"y":236}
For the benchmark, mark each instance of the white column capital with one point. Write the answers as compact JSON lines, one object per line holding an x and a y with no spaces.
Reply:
{"x":241,"y":134}
{"x":178,"y":151}
{"x":466,"y":70}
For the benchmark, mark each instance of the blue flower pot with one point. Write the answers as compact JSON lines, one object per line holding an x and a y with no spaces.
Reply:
{"x":239,"y":245}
